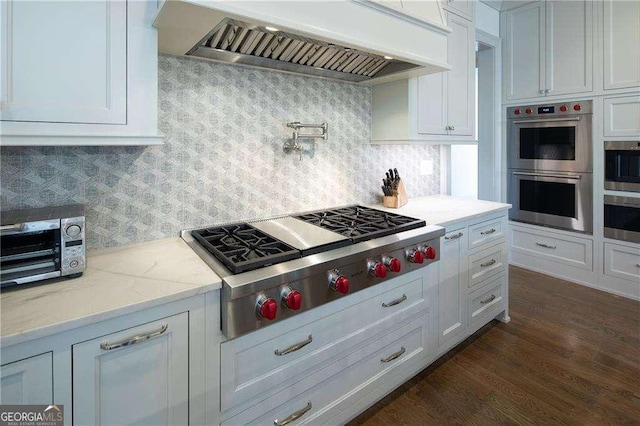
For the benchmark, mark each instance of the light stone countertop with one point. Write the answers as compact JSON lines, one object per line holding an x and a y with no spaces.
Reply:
{"x":117,"y":281}
{"x":444,"y":210}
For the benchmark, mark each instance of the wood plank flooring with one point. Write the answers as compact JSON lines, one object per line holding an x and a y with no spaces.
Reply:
{"x":570,"y":355}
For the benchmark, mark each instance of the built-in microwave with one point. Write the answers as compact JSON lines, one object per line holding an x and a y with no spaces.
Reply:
{"x":555,"y":137}
{"x":38,"y":244}
{"x":622,"y":218}
{"x":622,"y":165}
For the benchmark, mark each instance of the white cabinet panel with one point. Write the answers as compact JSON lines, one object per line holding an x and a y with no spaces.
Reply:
{"x":486,"y":263}
{"x":141,"y":383}
{"x":461,"y":79}
{"x":432,"y":104}
{"x":64,"y":62}
{"x":524,"y":52}
{"x":621,"y":44}
{"x":568,"y":250}
{"x":622,"y":116}
{"x":28,"y":381}
{"x":622,"y":262}
{"x":569,"y":46}
{"x":452,"y":288}
{"x":461,"y":7}
{"x":488,"y":301}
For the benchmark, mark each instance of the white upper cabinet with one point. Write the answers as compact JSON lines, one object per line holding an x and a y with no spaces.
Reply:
{"x":621,"y":44}
{"x":54,"y":69}
{"x":460,"y":7}
{"x":548,"y":49}
{"x":446,"y":101}
{"x":78,"y":73}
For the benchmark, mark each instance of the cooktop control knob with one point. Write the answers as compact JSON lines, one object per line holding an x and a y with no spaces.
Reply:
{"x":339,"y":283}
{"x":377,"y":269}
{"x":392,"y":263}
{"x":563,"y":108}
{"x":430,"y":253}
{"x":517,"y":111}
{"x":528,"y":110}
{"x":577,"y":107}
{"x":266,"y":307}
{"x":292,"y":299}
{"x":415,"y":256}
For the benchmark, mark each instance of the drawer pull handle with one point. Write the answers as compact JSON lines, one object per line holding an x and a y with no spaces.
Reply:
{"x":394,"y":355}
{"x":490,"y":231}
{"x":295,"y":347}
{"x":546,"y":246}
{"x":489,"y":300}
{"x":106,"y":346}
{"x":454,"y":236}
{"x":293,"y":416}
{"x":395,"y":302}
{"x":489,"y":263}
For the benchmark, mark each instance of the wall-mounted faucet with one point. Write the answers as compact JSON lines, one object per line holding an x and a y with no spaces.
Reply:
{"x":292,"y":145}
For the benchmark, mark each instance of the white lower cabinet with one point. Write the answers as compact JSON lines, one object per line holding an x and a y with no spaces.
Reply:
{"x":452,"y":286}
{"x":135,"y":376}
{"x":27,"y":381}
{"x":622,"y":262}
{"x":488,"y":301}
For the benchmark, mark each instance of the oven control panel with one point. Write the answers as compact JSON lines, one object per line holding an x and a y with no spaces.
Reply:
{"x":550,"y":110}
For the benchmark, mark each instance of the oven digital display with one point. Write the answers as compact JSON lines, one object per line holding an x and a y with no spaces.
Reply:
{"x":546,"y":110}
{"x":73,"y":243}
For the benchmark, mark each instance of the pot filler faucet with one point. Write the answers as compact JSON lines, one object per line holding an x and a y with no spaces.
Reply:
{"x":293,"y":144}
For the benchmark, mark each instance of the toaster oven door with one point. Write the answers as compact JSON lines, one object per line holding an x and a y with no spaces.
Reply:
{"x":29,"y":252}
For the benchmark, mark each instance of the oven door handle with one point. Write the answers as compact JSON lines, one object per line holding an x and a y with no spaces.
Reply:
{"x":16,"y":227}
{"x":547,"y":120}
{"x":557,"y":175}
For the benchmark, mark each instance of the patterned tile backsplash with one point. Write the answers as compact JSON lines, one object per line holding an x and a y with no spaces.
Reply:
{"x":222,"y":159}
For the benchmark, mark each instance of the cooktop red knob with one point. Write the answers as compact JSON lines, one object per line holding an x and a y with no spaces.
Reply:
{"x":528,"y":110}
{"x":430,"y":253}
{"x":577,"y":107}
{"x":268,"y":309}
{"x":394,"y":264}
{"x":517,"y":111}
{"x":416,"y":256}
{"x":378,"y":270}
{"x":563,"y":108}
{"x":341,"y":284}
{"x":292,"y":300}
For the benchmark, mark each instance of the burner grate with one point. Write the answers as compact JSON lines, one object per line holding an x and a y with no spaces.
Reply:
{"x":361,"y":223}
{"x":241,"y":247}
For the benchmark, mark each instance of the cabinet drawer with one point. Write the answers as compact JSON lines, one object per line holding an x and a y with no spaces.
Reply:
{"x":487,"y":232}
{"x":622,"y":116}
{"x":318,"y":393}
{"x":27,"y":381}
{"x":256,"y":364}
{"x":487,"y":301}
{"x":622,"y":262}
{"x":568,"y":250}
{"x":487,"y":263}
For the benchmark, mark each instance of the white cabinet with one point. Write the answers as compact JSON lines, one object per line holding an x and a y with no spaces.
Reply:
{"x":452,"y":286}
{"x":621,"y":44}
{"x":136,"y":376}
{"x":461,"y":7}
{"x":54,"y":70}
{"x":425,"y":11}
{"x":78,"y":73}
{"x":622,"y":116}
{"x":446,"y":101}
{"x":548,"y":49}
{"x":622,"y":262}
{"x":28,"y":381}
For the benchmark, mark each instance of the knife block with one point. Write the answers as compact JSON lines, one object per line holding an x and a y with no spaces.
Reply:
{"x":398,"y":199}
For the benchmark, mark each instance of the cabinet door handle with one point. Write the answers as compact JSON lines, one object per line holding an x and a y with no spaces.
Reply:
{"x":489,"y":263}
{"x":293,"y":416}
{"x":546,"y":246}
{"x":394,"y":355}
{"x":491,"y":299}
{"x":106,"y":346}
{"x":454,"y":236}
{"x":490,"y":231}
{"x":295,"y":347}
{"x":395,"y":302}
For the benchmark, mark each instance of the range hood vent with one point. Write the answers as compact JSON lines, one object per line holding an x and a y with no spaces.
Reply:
{"x":243,"y":43}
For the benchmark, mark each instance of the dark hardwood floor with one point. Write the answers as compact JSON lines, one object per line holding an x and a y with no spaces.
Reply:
{"x":570,"y":355}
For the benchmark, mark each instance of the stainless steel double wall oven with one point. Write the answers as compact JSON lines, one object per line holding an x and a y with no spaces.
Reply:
{"x":550,"y":166}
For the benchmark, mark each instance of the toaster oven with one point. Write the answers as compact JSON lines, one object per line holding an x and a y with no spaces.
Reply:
{"x":43,"y":243}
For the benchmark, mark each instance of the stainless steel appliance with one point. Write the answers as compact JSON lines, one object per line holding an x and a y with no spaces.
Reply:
{"x":622,"y":165}
{"x":37,"y":244}
{"x":275,"y":269}
{"x":550,"y":165}
{"x":622,"y":218}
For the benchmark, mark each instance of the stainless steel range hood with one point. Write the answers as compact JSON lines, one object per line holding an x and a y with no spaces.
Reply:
{"x":374,"y":46}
